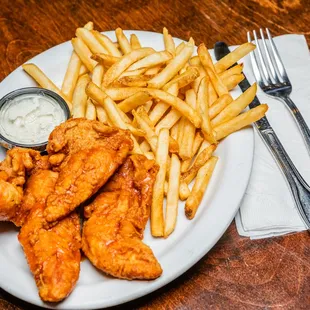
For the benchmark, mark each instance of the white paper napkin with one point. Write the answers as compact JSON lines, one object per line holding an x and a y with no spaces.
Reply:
{"x":268,"y":209}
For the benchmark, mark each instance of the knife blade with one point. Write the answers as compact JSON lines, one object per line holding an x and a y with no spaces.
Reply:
{"x":299,"y":188}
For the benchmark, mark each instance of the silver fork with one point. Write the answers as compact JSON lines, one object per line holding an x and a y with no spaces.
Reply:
{"x":272,"y":78}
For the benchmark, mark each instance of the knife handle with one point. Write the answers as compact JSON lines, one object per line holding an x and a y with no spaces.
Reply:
{"x":298,"y":186}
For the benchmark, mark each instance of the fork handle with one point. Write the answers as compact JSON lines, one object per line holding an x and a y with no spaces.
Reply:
{"x":299,"y":188}
{"x":303,"y":127}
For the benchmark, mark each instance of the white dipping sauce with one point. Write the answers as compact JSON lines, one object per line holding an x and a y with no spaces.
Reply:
{"x":30,"y":118}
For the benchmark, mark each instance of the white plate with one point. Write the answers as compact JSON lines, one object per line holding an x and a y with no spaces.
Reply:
{"x":190,"y":241}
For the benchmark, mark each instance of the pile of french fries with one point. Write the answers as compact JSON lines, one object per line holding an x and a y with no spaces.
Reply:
{"x":177,"y":107}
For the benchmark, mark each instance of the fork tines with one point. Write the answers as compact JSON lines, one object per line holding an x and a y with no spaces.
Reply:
{"x":267,"y":65}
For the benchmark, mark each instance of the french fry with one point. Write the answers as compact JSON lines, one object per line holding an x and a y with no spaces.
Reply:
{"x":134,"y":42}
{"x":133,"y":73}
{"x":184,"y":191}
{"x":179,"y":48}
{"x":184,"y":79}
{"x":155,"y":59}
{"x":161,"y":107}
{"x":233,"y":57}
{"x":205,"y":57}
{"x":166,"y":185}
{"x":145,"y":147}
{"x":37,"y":74}
{"x":107,"y":43}
{"x":105,"y":59}
{"x":236,"y":107}
{"x":122,"y":41}
{"x":121,"y":93}
{"x":125,"y":61}
{"x":172,"y":68}
{"x":157,"y":214}
{"x":217,"y":83}
{"x":84,"y":53}
{"x":174,"y":131}
{"x":186,"y":146}
{"x":90,"y":40}
{"x":153,"y":70}
{"x":201,"y":183}
{"x":232,"y":81}
{"x":71,"y":76}
{"x":148,"y":105}
{"x":172,"y":195}
{"x":212,"y":95}
{"x":134,"y":101}
{"x":196,"y":82}
{"x":90,"y":110}
{"x":231,"y":71}
{"x":169,"y":120}
{"x":168,"y":41}
{"x":201,"y":159}
{"x":197,"y":142}
{"x":83,"y":70}
{"x":89,"y":26}
{"x":203,"y":107}
{"x":111,"y":108}
{"x":220,"y":103}
{"x":79,"y":100}
{"x":102,"y":115}
{"x":134,"y":81}
{"x":149,"y":155}
{"x":240,"y":121}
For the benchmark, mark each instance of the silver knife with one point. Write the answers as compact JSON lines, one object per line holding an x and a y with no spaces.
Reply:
{"x":298,"y":186}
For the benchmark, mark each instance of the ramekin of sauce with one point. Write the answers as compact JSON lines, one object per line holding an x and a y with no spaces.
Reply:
{"x":29,"y":115}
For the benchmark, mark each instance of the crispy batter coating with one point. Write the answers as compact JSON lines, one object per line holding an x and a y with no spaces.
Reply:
{"x":86,"y":153}
{"x":53,"y":254}
{"x":117,"y":218}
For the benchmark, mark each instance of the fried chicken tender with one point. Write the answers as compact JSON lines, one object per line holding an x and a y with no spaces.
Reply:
{"x":53,"y":254}
{"x":116,"y":220}
{"x":13,"y":173}
{"x":86,"y":153}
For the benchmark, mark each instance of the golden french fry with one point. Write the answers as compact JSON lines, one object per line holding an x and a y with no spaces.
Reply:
{"x":169,"y":120}
{"x":157,"y":214}
{"x":84,"y":53}
{"x":166,"y":185}
{"x":197,"y":142}
{"x":121,"y":93}
{"x":212,"y":95}
{"x":105,"y":59}
{"x":184,"y":191}
{"x":195,"y":61}
{"x":89,"y":26}
{"x":90,"y":40}
{"x":134,"y":101}
{"x":236,"y":107}
{"x":155,"y":59}
{"x":153,"y":70}
{"x":201,"y":159}
{"x":107,"y":44}
{"x":90,"y":110}
{"x":79,"y":100}
{"x":184,"y":79}
{"x":179,"y":48}
{"x":111,"y":108}
{"x":196,"y":82}
{"x":98,"y":75}
{"x":122,"y":41}
{"x":220,"y":103}
{"x":71,"y":76}
{"x":83,"y":70}
{"x":173,"y":67}
{"x":134,"y":81}
{"x":174,"y":131}
{"x":102,"y":115}
{"x":133,"y":73}
{"x":217,"y":83}
{"x":231,"y":71}
{"x":240,"y":121}
{"x":172,"y":195}
{"x":145,"y":147}
{"x":161,"y":107}
{"x":201,"y":183}
{"x":189,"y":130}
{"x":232,"y":81}
{"x":168,"y":41}
{"x":148,"y":105}
{"x":125,"y":61}
{"x":205,"y":57}
{"x":233,"y":57}
{"x":38,"y":75}
{"x":203,"y":107}
{"x":149,"y":155}
{"x":134,"y":42}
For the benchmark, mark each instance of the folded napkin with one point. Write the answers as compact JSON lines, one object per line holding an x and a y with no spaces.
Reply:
{"x":268,"y":208}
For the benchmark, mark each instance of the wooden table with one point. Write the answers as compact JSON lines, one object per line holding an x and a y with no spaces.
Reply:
{"x":237,"y":273}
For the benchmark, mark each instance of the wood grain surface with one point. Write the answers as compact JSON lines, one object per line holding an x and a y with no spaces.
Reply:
{"x":237,"y":273}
